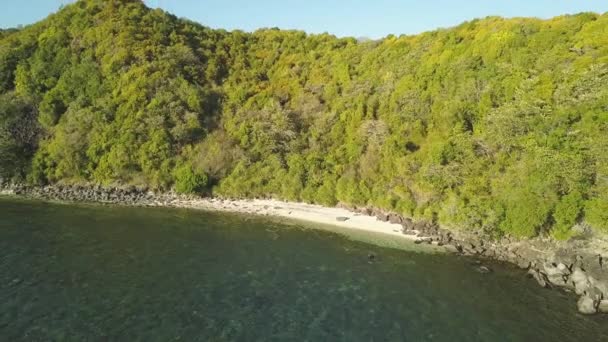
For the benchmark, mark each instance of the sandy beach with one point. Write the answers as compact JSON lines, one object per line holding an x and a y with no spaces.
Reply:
{"x":299,"y":211}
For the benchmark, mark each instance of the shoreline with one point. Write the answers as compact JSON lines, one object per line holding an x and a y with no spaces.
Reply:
{"x":578,"y":265}
{"x":311,"y":213}
{"x":345,"y":219}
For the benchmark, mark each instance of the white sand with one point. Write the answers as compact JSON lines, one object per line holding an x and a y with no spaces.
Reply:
{"x":298,"y":211}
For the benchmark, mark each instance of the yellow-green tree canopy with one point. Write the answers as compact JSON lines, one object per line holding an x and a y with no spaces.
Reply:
{"x":497,"y":124}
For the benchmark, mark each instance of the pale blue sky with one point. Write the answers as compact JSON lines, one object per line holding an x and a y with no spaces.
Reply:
{"x":358,"y":18}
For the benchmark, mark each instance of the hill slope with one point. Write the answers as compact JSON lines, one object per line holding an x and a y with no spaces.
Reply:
{"x":496,"y":124}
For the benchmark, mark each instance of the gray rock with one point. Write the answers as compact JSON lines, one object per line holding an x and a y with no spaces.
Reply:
{"x":407,"y":224}
{"x":556,"y":274}
{"x":408,"y":232}
{"x":603,"y":306}
{"x":553,"y":270}
{"x":423,"y":240}
{"x":451,"y":248}
{"x":579,"y":280}
{"x":586,"y":305}
{"x":557,"y":280}
{"x":563,"y":268}
{"x":365,"y":211}
{"x":483,"y":269}
{"x":395,"y":219}
{"x":469,"y":249}
{"x":539,"y":277}
{"x":523,"y":263}
{"x":382,"y":217}
{"x":342,"y":219}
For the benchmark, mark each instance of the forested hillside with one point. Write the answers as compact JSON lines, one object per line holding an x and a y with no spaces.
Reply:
{"x":496,"y":124}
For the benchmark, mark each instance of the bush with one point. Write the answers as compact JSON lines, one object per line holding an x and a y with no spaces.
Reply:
{"x":565,"y":215}
{"x":596,"y":212}
{"x":19,"y":134}
{"x":525,"y":214}
{"x":189,"y":181}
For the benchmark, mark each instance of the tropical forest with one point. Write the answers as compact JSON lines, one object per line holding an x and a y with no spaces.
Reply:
{"x":495,"y":125}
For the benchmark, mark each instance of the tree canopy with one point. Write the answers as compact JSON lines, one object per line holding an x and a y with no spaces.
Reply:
{"x":497,"y":124}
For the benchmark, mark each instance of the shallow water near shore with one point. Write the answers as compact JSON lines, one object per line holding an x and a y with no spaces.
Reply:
{"x":88,"y":272}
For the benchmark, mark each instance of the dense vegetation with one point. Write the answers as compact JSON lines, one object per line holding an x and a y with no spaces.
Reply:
{"x":496,"y":124}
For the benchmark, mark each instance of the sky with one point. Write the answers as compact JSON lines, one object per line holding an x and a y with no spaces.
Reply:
{"x":356,"y":18}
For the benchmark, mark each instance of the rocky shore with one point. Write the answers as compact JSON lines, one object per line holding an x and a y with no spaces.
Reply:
{"x":579,"y":265}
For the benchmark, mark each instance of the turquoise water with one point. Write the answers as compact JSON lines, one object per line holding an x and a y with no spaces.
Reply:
{"x":80,"y":272}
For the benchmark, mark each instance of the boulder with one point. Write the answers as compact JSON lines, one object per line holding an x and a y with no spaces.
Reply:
{"x":423,"y":240}
{"x":557,"y":280}
{"x":563,"y":268}
{"x":579,"y":280}
{"x":469,"y":249}
{"x":552,"y":269}
{"x":523,"y":263}
{"x":539,"y":277}
{"x":382,"y":217}
{"x":395,"y":219}
{"x":451,"y":248}
{"x":596,"y":272}
{"x":483,"y":269}
{"x":408,"y":232}
{"x":586,"y":305}
{"x":603,"y":306}
{"x":420,"y":226}
{"x":556,"y":274}
{"x":407,"y":224}
{"x":366,"y":211}
{"x":445,"y":236}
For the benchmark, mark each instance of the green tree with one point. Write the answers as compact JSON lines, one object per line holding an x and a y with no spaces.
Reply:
{"x":189,"y":181}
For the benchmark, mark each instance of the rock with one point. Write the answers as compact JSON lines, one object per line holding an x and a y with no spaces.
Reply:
{"x":371,"y":257}
{"x":483,"y":269}
{"x":420,"y":226}
{"x":408,"y":232}
{"x":469,"y":249}
{"x":445,"y":236}
{"x":579,"y":280}
{"x":366,"y":211}
{"x":601,"y":286}
{"x":557,"y":280}
{"x":423,"y":240}
{"x":552,"y":270}
{"x":407,"y":224}
{"x":382,"y":217}
{"x":563,"y":268}
{"x":556,"y":274}
{"x":395,"y":219}
{"x":523,"y":263}
{"x":586,"y":305}
{"x":603,"y":306}
{"x":342,"y":219}
{"x":596,"y":273}
{"x":539,"y":277}
{"x":451,"y":248}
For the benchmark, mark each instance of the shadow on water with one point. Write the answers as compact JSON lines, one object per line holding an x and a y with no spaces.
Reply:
{"x":81,"y":272}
